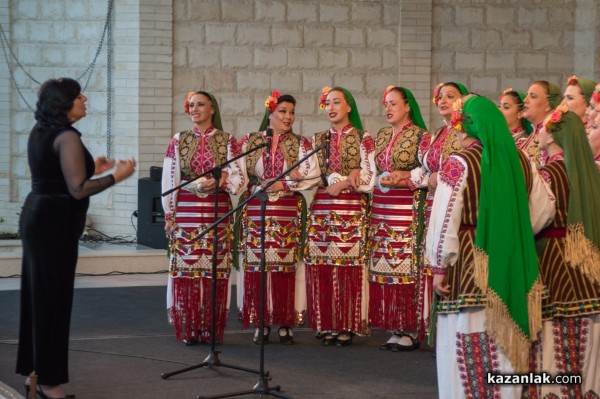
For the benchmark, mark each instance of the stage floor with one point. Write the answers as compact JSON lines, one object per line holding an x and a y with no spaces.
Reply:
{"x":121,"y":343}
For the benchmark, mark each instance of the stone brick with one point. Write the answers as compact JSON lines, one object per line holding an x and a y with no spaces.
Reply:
{"x":350,"y":36}
{"x":353,"y":82}
{"x":220,"y":34}
{"x":500,"y":60}
{"x":303,"y":58}
{"x":318,"y":36}
{"x":203,"y":56}
{"x":270,"y":11}
{"x":471,"y":62}
{"x":390,"y":59}
{"x":76,"y":10}
{"x":469,"y":16}
{"x":188,"y":32}
{"x":456,"y":38}
{"x":333,"y":58}
{"x":500,"y":15}
{"x":531,"y":61}
{"x":313,"y":82}
{"x":443,"y":16}
{"x":335,"y":13}
{"x":377,"y":82}
{"x":368,"y":13}
{"x":28,"y":9}
{"x":560,"y":61}
{"x":382,"y":37}
{"x":565,"y":16}
{"x":305,"y":105}
{"x":237,"y":10}
{"x":546,"y":39}
{"x":252,"y":35}
{"x":287,"y":36}
{"x":302,"y":11}
{"x":237,"y":57}
{"x":529,"y":17}
{"x":516,"y":39}
{"x":270,"y":58}
{"x":483,"y":39}
{"x":365,"y":58}
{"x":486,"y":85}
{"x":250,"y":81}
{"x":514,"y":81}
{"x":391,"y":13}
{"x":289,"y":82}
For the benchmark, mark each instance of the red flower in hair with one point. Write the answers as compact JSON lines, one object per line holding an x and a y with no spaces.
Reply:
{"x":385,"y":93}
{"x":271,"y":102}
{"x":457,"y":115}
{"x":596,"y":95}
{"x":572,"y":80}
{"x":324,"y":92}
{"x":187,"y":101}
{"x":436,"y":93}
{"x":551,"y":120}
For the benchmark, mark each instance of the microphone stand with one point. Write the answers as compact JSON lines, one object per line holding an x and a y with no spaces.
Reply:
{"x":213,"y":357}
{"x":262,"y":386}
{"x":324,"y":173}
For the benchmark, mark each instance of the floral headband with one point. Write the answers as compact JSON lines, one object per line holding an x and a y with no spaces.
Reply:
{"x":187,"y":101}
{"x":457,"y":115}
{"x":324,"y":92}
{"x":551,"y":121}
{"x":596,"y":94}
{"x":271,"y":102}
{"x":436,"y":93}
{"x":572,"y":80}
{"x":385,"y":93}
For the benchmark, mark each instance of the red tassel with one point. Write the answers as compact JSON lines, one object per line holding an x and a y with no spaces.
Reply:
{"x":334,"y":297}
{"x":279,"y":299}
{"x":192,"y":310}
{"x":393,"y":307}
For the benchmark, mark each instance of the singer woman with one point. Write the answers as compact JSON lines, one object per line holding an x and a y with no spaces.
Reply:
{"x":285,"y":220}
{"x":397,"y":223}
{"x":190,"y":210}
{"x":336,"y":252}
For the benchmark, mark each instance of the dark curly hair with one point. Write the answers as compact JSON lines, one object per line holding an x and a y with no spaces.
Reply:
{"x":286,"y":98}
{"x":55,"y":100}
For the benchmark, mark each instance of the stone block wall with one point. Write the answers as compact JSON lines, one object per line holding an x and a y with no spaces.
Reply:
{"x":240,"y":50}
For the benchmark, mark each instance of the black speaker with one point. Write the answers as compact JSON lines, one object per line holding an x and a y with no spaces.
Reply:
{"x":151,"y":217}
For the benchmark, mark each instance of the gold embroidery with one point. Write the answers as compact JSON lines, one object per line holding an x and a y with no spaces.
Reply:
{"x":404,"y":153}
{"x":188,"y":145}
{"x":451,"y":145}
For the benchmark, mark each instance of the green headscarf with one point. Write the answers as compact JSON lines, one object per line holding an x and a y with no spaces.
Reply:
{"x":587,"y":86}
{"x":463,"y":90}
{"x":506,"y":265}
{"x":583,"y":217}
{"x":265,"y":120}
{"x":353,"y":116}
{"x":554,"y":95}
{"x":415,"y":111}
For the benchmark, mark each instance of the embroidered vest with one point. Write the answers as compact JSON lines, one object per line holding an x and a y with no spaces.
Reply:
{"x":349,"y":151}
{"x":404,"y":153}
{"x":289,"y":144}
{"x":188,"y":146}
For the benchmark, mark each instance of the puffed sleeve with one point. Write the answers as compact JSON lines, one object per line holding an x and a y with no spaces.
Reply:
{"x":171,"y":177}
{"x":368,"y":168}
{"x":237,"y":180}
{"x":542,"y":202}
{"x":442,"y":244}
{"x":419,"y":177}
{"x":308,"y":170}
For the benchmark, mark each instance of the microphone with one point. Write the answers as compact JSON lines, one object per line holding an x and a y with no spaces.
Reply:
{"x":269,"y":134}
{"x":324,"y":174}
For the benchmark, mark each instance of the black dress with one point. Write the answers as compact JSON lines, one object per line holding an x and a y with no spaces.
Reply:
{"x":51,"y":223}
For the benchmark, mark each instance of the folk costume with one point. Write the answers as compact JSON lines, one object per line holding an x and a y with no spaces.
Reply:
{"x":524,"y":129}
{"x":487,"y":321}
{"x":396,"y":231}
{"x":336,"y":252}
{"x":433,"y":151}
{"x":570,"y":266}
{"x":190,"y":154}
{"x":285,"y":227}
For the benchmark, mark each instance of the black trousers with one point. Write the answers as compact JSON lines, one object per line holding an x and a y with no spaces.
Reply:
{"x":50,"y":227}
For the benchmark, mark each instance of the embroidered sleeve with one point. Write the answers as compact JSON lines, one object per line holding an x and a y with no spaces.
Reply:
{"x":237,"y":180}
{"x":442,"y":244}
{"x":307,"y":173}
{"x":367,"y":164}
{"x":542,"y":202}
{"x":171,"y":177}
